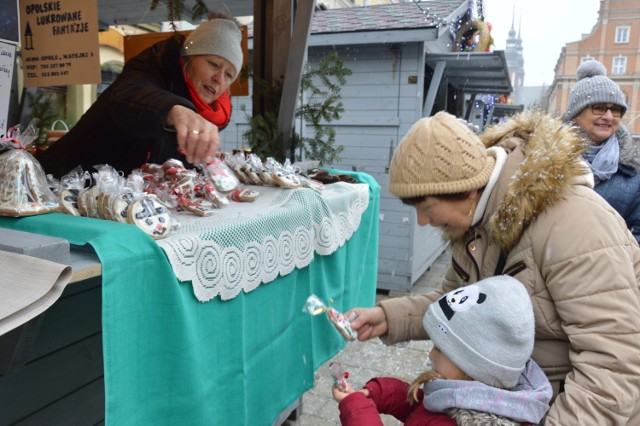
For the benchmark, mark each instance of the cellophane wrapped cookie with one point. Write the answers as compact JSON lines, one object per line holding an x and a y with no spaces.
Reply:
{"x":315,"y":306}
{"x":70,"y":187}
{"x":23,"y":188}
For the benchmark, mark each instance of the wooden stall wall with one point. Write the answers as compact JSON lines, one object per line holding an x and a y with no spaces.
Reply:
{"x":51,"y":369}
{"x":382,"y":99}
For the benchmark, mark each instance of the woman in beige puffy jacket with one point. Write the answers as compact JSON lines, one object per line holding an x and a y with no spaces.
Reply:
{"x":523,"y":204}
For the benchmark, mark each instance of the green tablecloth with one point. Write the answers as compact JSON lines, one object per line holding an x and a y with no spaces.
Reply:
{"x":169,"y":359}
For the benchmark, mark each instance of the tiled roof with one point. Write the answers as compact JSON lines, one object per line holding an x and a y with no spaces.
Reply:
{"x":383,"y":17}
{"x":395,"y":16}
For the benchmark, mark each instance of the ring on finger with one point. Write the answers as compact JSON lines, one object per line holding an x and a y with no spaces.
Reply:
{"x":195,"y":132}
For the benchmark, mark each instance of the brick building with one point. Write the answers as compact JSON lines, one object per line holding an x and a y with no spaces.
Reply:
{"x":614,"y":41}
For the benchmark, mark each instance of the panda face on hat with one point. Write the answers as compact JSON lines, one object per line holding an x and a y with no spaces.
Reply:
{"x":461,"y":300}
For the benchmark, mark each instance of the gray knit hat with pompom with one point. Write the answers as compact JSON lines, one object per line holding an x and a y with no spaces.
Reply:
{"x":593,"y":87}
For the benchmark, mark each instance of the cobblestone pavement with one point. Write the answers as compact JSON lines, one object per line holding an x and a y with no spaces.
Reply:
{"x":364,"y":360}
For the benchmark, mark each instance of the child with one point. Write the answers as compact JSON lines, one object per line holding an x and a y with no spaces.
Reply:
{"x":481,"y":373}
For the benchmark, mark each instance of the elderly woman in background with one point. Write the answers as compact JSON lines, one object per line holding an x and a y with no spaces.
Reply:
{"x":596,"y":105}
{"x":170,"y":101}
{"x":520,"y":202}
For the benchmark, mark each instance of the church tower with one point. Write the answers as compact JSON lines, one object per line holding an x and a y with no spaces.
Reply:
{"x":515,"y":61}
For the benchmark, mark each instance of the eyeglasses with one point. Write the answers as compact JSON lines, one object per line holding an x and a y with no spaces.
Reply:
{"x":601,"y":109}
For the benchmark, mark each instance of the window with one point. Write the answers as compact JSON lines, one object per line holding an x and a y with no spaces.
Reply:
{"x":622,"y":34}
{"x":109,"y":71}
{"x":619,"y":65}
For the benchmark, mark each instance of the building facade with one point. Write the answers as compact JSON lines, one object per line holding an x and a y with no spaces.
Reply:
{"x":614,"y":41}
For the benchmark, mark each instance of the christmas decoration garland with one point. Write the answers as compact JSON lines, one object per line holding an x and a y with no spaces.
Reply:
{"x":466,"y":34}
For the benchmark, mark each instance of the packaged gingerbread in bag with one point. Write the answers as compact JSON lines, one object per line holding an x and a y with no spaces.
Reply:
{"x":23,"y":188}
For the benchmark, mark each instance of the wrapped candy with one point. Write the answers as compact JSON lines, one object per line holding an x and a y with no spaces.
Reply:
{"x":315,"y":306}
{"x":339,"y":376}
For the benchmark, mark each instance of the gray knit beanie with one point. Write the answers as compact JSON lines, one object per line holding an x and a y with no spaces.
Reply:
{"x":593,"y":87}
{"x":486,"y":329}
{"x":220,"y":37}
{"x":439,"y":155}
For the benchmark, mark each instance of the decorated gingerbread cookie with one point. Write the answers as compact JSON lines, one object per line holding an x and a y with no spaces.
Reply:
{"x":69,"y":201}
{"x":267,"y":178}
{"x":119,"y":206}
{"x":244,"y":195}
{"x":286,"y":180}
{"x":150,"y":216}
{"x":198,"y":207}
{"x":341,"y":324}
{"x":222,"y":177}
{"x":252,"y":174}
{"x":88,"y":202}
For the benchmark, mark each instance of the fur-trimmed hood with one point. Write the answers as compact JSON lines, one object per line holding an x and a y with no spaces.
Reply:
{"x":552,"y":163}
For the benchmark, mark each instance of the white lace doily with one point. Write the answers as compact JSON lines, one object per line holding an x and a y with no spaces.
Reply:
{"x":246,"y":244}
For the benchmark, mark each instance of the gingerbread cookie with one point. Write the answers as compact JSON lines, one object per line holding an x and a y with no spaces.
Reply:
{"x":198,"y":207}
{"x":88,"y":202}
{"x":151,"y":217}
{"x":222,"y":177}
{"x":341,"y":324}
{"x":119,"y":206}
{"x":244,"y":195}
{"x":267,"y":178}
{"x":210,"y":193}
{"x":286,"y":180}
{"x":252,"y":174}
{"x":69,"y":201}
{"x":24,"y":191}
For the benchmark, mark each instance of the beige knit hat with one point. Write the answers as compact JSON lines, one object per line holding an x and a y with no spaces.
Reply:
{"x":439,"y":155}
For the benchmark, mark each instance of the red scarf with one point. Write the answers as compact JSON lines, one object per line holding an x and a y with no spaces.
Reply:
{"x":218,"y":112}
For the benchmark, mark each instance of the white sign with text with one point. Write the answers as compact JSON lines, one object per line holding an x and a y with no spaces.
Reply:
{"x":7,"y":61}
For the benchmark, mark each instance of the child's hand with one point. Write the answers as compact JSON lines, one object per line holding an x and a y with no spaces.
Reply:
{"x":339,"y":395}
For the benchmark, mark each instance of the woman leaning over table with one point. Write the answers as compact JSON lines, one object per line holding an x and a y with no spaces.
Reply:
{"x":170,"y":101}
{"x":522,"y":204}
{"x":596,"y":105}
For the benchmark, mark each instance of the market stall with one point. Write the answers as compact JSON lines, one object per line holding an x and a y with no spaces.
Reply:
{"x":232,"y":344}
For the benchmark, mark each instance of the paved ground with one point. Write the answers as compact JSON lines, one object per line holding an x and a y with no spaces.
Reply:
{"x":364,"y":360}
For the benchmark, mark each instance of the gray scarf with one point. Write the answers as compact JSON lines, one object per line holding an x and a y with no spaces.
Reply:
{"x":603,"y":159}
{"x":527,"y":402}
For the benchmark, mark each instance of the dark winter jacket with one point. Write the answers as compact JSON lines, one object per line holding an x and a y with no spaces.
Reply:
{"x":125,"y":126}
{"x":622,"y":190}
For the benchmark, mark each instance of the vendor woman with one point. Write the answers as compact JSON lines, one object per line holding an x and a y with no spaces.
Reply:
{"x":170,"y":101}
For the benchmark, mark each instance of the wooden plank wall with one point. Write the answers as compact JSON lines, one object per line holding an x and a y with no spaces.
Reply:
{"x":382,"y":99}
{"x":52,"y":369}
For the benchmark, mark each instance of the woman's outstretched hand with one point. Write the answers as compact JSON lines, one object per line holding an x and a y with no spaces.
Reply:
{"x":368,"y":322}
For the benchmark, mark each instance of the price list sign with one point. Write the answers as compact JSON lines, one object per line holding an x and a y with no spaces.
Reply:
{"x":59,"y":42}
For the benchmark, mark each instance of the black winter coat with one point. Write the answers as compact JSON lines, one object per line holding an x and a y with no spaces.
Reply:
{"x":125,"y":126}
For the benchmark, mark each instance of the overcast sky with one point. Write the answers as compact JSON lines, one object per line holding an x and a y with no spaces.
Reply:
{"x":545,"y":27}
